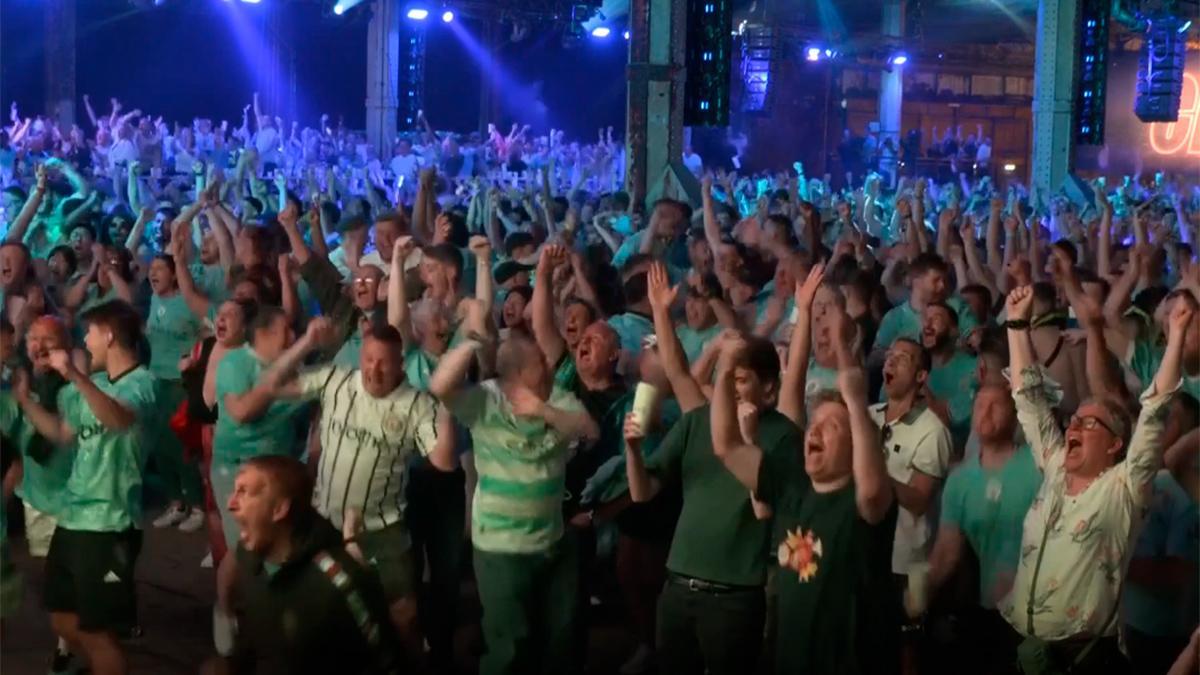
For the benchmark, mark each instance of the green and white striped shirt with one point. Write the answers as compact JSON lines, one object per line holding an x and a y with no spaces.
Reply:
{"x":522,"y":469}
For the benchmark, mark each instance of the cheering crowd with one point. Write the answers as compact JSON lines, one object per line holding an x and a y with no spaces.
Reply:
{"x":940,"y":428}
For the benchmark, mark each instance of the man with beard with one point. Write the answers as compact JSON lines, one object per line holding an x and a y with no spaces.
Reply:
{"x":952,"y":376}
{"x":310,"y":606}
{"x":983,"y":509}
{"x":89,"y":569}
{"x":928,"y":281}
{"x":371,"y":425}
{"x":918,"y":449}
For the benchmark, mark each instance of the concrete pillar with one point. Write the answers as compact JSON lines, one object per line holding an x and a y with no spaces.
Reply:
{"x":383,"y":73}
{"x":891,"y":79}
{"x":1053,"y":94}
{"x":59,"y":37}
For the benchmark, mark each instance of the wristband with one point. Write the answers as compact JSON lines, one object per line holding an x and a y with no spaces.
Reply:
{"x":1018,"y":324}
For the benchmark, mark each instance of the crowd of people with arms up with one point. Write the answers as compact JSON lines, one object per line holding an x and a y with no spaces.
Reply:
{"x":918,"y":428}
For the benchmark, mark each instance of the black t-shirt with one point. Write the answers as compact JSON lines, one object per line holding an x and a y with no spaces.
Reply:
{"x":837,"y":603}
{"x":607,"y":408}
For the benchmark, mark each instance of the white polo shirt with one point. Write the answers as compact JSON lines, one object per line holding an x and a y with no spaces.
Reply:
{"x":918,"y":441}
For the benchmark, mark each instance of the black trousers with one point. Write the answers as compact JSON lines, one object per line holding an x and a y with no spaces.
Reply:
{"x":699,"y":631}
{"x":436,"y":513}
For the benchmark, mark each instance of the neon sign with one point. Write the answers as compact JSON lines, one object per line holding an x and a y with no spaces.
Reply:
{"x":1180,"y":138}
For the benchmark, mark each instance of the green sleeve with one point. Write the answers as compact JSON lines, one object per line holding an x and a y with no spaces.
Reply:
{"x":139,"y":396}
{"x":233,"y":376}
{"x":668,"y":458}
{"x":966,"y":319}
{"x":886,"y":335}
{"x":952,"y":499}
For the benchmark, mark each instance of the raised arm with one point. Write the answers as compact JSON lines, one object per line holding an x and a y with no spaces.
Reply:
{"x":918,"y":216}
{"x":545,"y":329}
{"x":674,"y":362}
{"x":110,"y":412}
{"x":397,"y":304}
{"x":289,"y":221}
{"x":1034,"y":400}
{"x":1104,"y":241}
{"x":791,"y":388}
{"x":447,"y":380}
{"x":1102,"y":378}
{"x":995,"y":259}
{"x":481,"y":248}
{"x":289,"y":299}
{"x":196,"y":300}
{"x":16,"y":230}
{"x":872,"y":488}
{"x":46,"y":423}
{"x":742,"y":458}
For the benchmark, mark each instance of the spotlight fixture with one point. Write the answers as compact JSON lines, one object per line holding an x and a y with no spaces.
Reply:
{"x":601,"y":31}
{"x":418,"y":14}
{"x":625,"y":35}
{"x":251,"y":2}
{"x":340,"y":7}
{"x":1010,"y":167}
{"x":898,"y":59}
{"x":812,"y":54}
{"x":447,"y":16}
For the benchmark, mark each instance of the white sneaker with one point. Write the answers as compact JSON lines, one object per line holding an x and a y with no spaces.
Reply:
{"x":169,"y":517}
{"x":207,"y":563}
{"x":224,"y":630}
{"x":640,"y":662}
{"x":193,"y":522}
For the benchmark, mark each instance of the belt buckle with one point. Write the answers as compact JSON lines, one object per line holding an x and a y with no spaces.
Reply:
{"x":694,"y":585}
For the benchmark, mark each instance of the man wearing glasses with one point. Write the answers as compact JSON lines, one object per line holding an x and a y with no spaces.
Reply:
{"x":1095,"y":491}
{"x":351,"y":314}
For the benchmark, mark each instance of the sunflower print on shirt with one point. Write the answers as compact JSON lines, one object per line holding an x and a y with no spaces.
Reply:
{"x":799,"y":551}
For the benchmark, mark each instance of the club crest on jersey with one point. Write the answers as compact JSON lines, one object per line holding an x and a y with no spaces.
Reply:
{"x":392,"y":423}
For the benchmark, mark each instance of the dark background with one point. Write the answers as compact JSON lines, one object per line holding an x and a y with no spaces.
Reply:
{"x":185,"y":59}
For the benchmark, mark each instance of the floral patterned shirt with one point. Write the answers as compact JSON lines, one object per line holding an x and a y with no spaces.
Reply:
{"x":1091,"y":534}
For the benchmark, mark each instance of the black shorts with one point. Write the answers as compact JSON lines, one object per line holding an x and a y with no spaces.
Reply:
{"x":91,"y":574}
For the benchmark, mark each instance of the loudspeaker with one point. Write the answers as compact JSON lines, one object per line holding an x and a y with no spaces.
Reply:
{"x":1160,"y":71}
{"x":708,"y":62}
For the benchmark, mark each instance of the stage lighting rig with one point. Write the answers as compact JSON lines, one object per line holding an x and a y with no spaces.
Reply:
{"x":580,"y":14}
